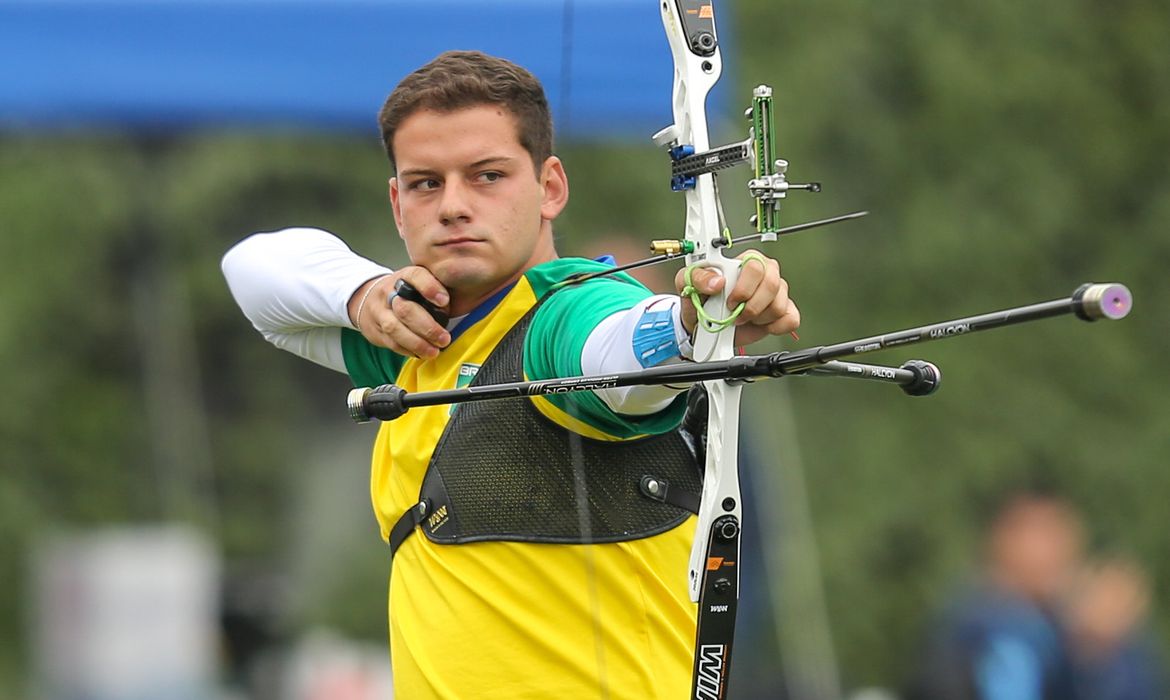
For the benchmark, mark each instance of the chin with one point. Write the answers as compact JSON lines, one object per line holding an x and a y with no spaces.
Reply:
{"x":464,"y":276}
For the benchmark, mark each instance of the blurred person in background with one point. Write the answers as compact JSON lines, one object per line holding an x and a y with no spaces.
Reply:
{"x":1002,"y":639}
{"x":1105,"y":614}
{"x":1044,"y":622}
{"x":513,"y":589}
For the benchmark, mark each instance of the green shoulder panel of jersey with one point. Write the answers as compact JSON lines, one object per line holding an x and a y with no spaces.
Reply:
{"x":559,"y":331}
{"x":368,"y":364}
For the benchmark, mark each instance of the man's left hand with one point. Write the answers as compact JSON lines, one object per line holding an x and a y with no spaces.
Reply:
{"x":768,"y":309}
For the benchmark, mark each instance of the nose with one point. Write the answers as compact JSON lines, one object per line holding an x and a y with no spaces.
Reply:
{"x":455,"y":206}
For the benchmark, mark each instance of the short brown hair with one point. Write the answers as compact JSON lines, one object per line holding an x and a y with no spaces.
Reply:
{"x":458,"y":79}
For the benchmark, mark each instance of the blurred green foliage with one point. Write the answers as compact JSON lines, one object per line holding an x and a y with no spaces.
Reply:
{"x":1007,"y":151}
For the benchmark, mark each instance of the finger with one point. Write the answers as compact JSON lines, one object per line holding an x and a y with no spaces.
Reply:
{"x":412,"y":346}
{"x":689,"y":317}
{"x":404,"y":291}
{"x":394,"y":334}
{"x":426,"y":283}
{"x":789,"y":321}
{"x":754,"y":267}
{"x":768,"y":303}
{"x":705,"y":280}
{"x":400,"y":325}
{"x":416,"y":319}
{"x":765,"y":303}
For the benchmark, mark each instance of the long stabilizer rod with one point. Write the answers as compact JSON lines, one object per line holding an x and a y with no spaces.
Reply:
{"x":1089,"y":302}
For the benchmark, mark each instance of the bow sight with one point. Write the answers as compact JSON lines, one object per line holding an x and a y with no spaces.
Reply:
{"x":767,"y":187}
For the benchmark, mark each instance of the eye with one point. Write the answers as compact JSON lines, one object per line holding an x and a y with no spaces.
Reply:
{"x":424,"y":184}
{"x":490,"y":176}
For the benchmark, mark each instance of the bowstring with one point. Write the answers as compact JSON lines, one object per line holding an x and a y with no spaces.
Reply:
{"x":582,"y":498}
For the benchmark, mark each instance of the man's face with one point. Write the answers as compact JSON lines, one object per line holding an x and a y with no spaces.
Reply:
{"x":468,"y":203}
{"x":1037,"y":544}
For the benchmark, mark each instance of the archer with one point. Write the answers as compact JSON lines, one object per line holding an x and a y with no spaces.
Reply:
{"x":541,"y":569}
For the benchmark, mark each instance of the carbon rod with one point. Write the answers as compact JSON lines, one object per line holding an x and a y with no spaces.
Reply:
{"x":1089,"y":302}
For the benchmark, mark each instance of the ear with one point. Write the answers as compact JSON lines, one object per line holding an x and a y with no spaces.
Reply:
{"x":555,"y":187}
{"x":396,"y":206}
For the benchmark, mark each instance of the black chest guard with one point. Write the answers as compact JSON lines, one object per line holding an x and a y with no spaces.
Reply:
{"x":503,"y":471}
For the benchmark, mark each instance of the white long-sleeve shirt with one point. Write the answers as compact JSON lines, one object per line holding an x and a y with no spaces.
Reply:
{"x":295,"y":284}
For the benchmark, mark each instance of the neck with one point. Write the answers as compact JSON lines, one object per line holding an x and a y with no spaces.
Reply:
{"x":465,"y":301}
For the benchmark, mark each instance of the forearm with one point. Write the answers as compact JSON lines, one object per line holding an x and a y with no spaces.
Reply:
{"x":295,"y":286}
{"x":647,"y":335}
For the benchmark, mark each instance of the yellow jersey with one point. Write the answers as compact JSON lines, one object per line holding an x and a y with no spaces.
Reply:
{"x":523,"y":620}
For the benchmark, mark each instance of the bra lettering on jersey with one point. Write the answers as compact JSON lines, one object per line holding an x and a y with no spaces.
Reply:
{"x":467,"y":372}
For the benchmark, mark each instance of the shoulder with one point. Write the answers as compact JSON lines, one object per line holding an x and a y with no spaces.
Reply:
{"x":560,"y":328}
{"x":553,"y":274}
{"x":570,"y":311}
{"x":557,"y":276}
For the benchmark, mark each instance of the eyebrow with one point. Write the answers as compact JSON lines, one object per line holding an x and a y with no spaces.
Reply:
{"x":492,"y":160}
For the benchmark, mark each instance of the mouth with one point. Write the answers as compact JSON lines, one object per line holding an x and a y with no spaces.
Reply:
{"x":454,"y":241}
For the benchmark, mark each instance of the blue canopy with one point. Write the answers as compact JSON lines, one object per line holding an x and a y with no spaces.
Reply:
{"x":321,"y":64}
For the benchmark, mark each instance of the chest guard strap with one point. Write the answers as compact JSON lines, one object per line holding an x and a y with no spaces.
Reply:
{"x":503,"y":471}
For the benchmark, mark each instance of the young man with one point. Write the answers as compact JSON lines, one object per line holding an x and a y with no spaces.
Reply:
{"x":526,"y":563}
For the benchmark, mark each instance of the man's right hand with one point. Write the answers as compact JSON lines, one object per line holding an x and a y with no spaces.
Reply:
{"x":392,"y":322}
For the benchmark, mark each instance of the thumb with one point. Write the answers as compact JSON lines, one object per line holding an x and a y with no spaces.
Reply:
{"x":705,"y":280}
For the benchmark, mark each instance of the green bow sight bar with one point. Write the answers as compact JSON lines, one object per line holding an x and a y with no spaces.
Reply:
{"x":768,"y":186}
